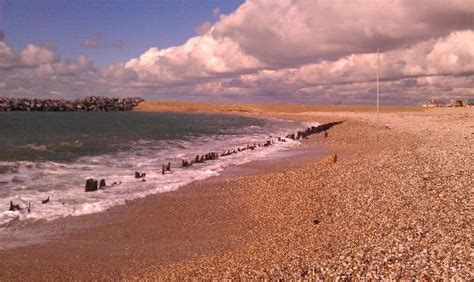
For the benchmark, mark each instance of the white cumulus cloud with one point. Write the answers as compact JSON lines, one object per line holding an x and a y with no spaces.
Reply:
{"x":287,"y":50}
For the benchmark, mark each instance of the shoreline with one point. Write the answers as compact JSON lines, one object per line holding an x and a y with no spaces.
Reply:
{"x":310,"y":219}
{"x":48,"y":233}
{"x":278,"y":160}
{"x":179,"y":176}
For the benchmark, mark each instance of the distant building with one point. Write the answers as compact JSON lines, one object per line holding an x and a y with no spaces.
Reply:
{"x":434,"y":103}
{"x":456,"y":103}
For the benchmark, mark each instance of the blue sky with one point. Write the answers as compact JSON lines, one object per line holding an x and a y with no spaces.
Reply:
{"x":311,"y":51}
{"x":126,"y":28}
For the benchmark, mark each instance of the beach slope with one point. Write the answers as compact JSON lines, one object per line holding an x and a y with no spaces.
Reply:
{"x":394,"y":203}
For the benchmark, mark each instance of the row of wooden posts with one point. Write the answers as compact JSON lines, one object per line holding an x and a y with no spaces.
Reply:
{"x":94,"y":185}
{"x":16,"y":207}
{"x":302,"y":134}
{"x":91,"y":184}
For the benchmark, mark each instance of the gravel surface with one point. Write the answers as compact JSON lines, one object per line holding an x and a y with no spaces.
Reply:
{"x":396,"y":204}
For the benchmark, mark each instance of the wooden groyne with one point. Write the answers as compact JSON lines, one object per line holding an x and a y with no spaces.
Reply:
{"x":88,"y":104}
{"x":92,"y":184}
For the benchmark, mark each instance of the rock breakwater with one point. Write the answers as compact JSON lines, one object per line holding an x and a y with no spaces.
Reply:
{"x":88,"y":104}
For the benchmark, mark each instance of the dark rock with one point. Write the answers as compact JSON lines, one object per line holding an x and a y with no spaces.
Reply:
{"x":102,"y":183}
{"x":86,"y":104}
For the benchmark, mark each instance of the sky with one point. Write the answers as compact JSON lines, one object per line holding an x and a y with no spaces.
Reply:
{"x":301,"y":51}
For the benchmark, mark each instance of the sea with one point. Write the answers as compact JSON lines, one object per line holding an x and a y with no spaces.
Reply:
{"x":50,"y":155}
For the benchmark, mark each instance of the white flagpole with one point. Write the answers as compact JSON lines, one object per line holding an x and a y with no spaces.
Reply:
{"x":378,"y":71}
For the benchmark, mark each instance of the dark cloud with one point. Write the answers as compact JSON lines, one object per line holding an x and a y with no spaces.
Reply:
{"x":90,"y":43}
{"x":203,"y":28}
{"x":408,"y":82}
{"x":95,"y":41}
{"x":117,"y":44}
{"x":216,"y":11}
{"x":300,"y":32}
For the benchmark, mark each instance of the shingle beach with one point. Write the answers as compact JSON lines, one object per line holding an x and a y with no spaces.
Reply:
{"x":396,"y":203}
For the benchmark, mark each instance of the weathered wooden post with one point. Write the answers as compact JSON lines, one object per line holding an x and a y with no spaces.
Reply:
{"x":91,"y":185}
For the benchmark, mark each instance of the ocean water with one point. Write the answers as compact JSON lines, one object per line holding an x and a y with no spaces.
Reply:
{"x":52,"y":154}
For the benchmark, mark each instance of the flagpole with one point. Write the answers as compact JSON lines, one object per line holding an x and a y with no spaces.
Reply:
{"x":378,"y":73}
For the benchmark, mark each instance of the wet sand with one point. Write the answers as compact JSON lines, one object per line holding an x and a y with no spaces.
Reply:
{"x":396,"y":204}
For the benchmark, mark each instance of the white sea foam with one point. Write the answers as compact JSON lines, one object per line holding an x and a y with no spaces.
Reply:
{"x":36,"y":147}
{"x":63,"y":183}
